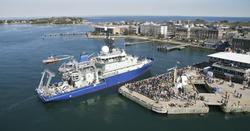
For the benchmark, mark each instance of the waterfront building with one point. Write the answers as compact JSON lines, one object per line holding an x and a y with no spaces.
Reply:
{"x":219,"y":45}
{"x":231,"y":66}
{"x":182,"y":32}
{"x":151,"y":28}
{"x":104,"y":29}
{"x":134,"y":28}
{"x":158,"y":29}
{"x":241,"y":41}
{"x":145,"y":27}
{"x":206,"y":33}
{"x":199,"y":33}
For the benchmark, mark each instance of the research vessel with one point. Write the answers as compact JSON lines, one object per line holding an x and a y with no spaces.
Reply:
{"x":112,"y":66}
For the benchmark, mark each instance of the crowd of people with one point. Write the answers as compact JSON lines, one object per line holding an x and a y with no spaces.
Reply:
{"x":159,"y":88}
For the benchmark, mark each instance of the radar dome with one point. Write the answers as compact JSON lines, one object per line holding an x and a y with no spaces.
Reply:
{"x":105,"y":49}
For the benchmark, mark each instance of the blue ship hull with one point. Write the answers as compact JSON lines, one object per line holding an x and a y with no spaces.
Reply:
{"x":110,"y":81}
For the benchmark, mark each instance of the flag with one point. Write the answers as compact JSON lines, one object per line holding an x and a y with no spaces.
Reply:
{"x":178,"y":62}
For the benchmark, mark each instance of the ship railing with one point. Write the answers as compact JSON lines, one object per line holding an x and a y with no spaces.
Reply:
{"x":86,"y":62}
{"x":109,"y":74}
{"x":111,"y":60}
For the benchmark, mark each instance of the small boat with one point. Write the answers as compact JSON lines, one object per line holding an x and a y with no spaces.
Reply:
{"x":158,"y":110}
{"x":50,"y":59}
{"x":181,"y":48}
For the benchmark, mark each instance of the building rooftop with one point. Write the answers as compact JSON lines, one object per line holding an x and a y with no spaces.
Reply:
{"x":241,"y":36}
{"x":243,"y":58}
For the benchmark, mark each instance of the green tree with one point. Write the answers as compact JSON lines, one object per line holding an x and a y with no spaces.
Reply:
{"x":143,"y":34}
{"x":128,"y":32}
{"x":161,"y":36}
{"x":95,"y":33}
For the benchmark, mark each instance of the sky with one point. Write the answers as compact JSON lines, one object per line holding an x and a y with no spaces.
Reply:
{"x":55,"y":8}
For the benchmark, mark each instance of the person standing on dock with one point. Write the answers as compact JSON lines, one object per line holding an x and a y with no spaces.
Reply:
{"x":228,"y":97}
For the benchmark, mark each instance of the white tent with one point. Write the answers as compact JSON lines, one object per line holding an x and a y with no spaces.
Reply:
{"x":184,"y":80}
{"x":206,"y":69}
{"x":177,"y":85}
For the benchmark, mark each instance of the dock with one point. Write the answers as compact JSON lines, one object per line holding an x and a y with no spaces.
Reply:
{"x":160,"y":95}
{"x":165,"y":49}
{"x":57,"y":34}
{"x":136,"y":43}
{"x":74,"y":37}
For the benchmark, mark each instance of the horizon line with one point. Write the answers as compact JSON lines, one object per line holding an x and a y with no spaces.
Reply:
{"x":117,"y":16}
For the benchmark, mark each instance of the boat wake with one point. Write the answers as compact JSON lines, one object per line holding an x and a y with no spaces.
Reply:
{"x":15,"y":105}
{"x":64,"y":57}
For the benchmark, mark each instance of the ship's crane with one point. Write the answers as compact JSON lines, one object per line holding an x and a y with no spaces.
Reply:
{"x":173,"y":68}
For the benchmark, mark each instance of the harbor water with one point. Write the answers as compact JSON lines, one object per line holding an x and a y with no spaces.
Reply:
{"x":22,"y":49}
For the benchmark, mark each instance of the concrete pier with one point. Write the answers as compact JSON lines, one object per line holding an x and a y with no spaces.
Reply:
{"x":180,"y":107}
{"x":57,"y":34}
{"x":168,"y":99}
{"x":162,"y":48}
{"x":130,"y":44}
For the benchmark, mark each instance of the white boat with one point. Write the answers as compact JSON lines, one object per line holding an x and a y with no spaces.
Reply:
{"x":158,"y":110}
{"x":181,"y":48}
{"x":50,"y":59}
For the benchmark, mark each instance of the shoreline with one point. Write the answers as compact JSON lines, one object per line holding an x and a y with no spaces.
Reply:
{"x":154,"y":40}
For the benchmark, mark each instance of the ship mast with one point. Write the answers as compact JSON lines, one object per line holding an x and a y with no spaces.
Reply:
{"x":109,"y":42}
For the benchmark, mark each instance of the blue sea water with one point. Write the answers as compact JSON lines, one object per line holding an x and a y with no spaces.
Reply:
{"x":22,"y":49}
{"x":96,"y":19}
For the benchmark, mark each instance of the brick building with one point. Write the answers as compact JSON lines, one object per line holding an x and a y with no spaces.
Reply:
{"x":199,"y":33}
{"x":241,"y":41}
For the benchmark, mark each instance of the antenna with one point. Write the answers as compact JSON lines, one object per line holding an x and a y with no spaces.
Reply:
{"x":109,"y":42}
{"x":124,"y":43}
{"x":152,"y":54}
